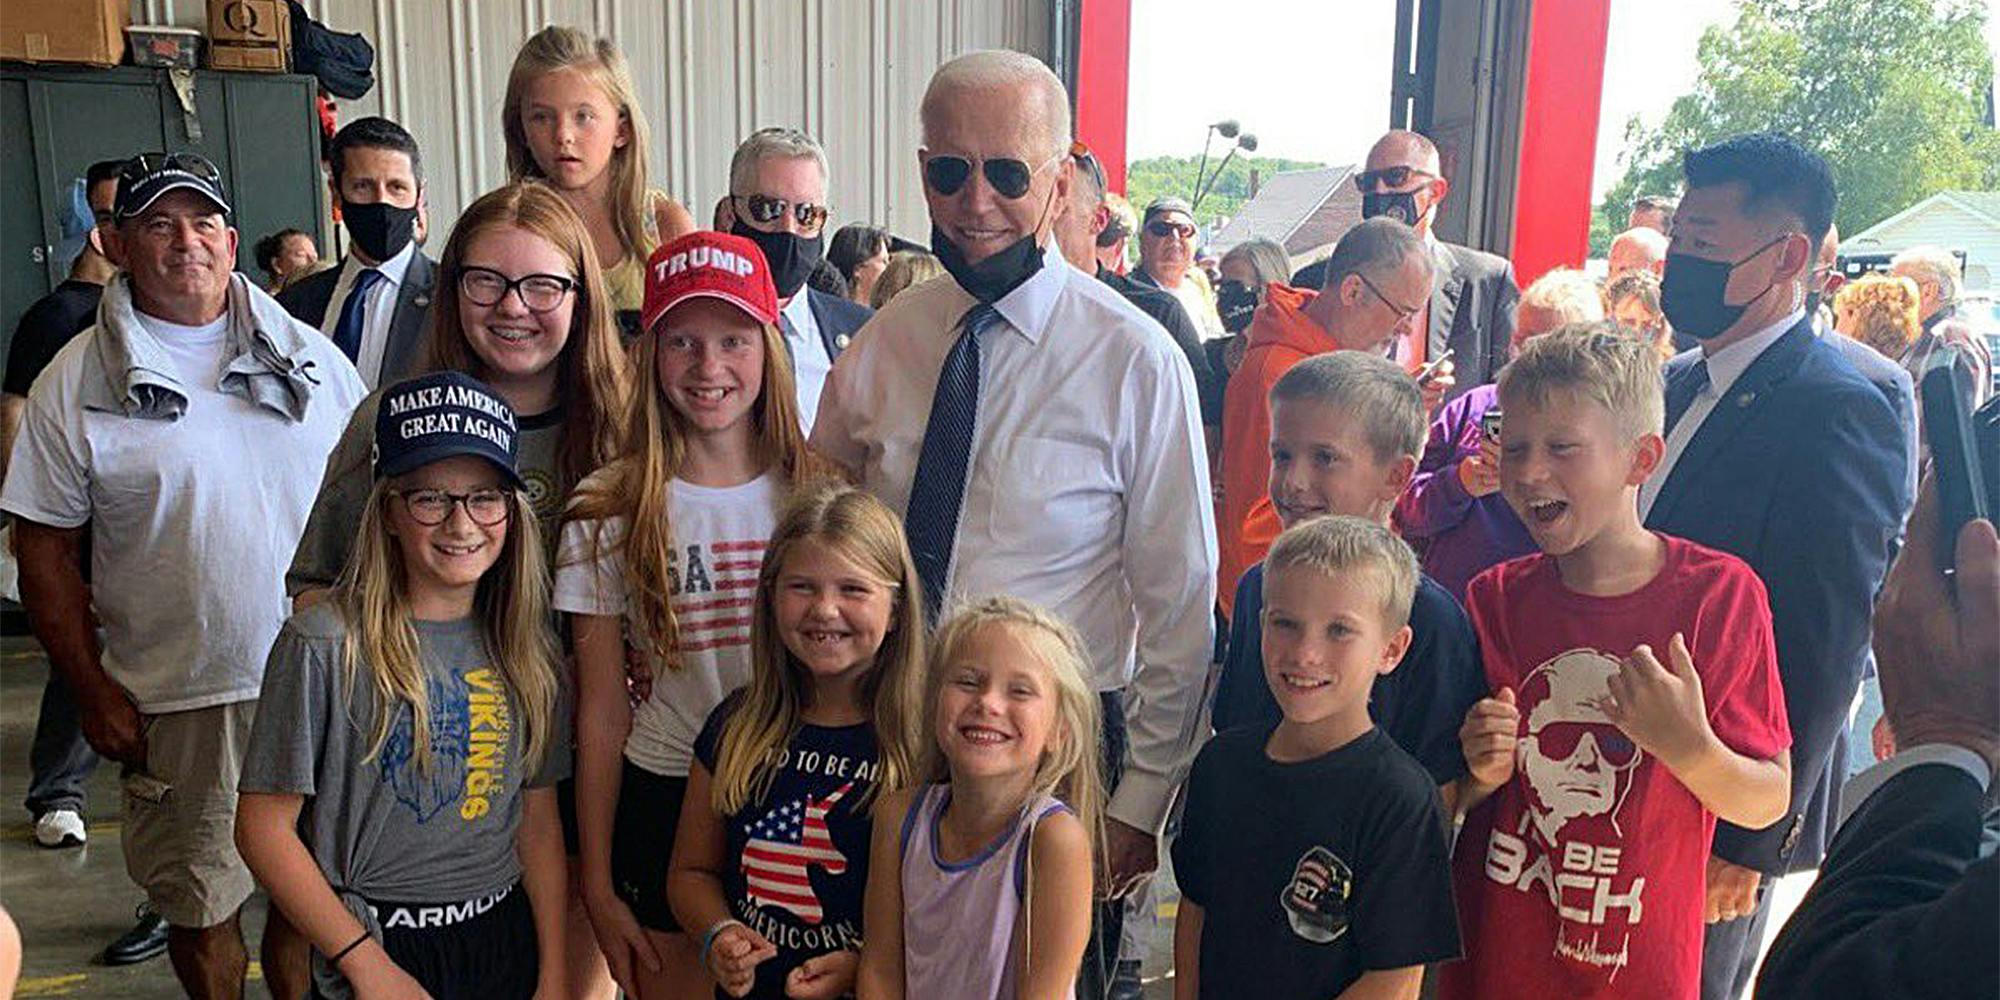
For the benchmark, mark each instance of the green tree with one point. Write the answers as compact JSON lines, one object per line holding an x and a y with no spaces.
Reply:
{"x":1173,"y":176}
{"x":1891,"y":92}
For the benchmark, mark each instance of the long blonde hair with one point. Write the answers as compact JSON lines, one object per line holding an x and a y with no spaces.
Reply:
{"x":591,"y":379}
{"x":860,"y":528}
{"x":511,"y":604}
{"x":556,"y":48}
{"x":1069,"y":769}
{"x":637,"y":484}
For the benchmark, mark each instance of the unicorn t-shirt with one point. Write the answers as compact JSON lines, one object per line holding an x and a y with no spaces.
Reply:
{"x":796,"y":860}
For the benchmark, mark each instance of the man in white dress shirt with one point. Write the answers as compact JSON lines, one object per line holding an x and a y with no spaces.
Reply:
{"x":1041,"y":434}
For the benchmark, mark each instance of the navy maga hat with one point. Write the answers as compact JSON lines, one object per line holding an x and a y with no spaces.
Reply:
{"x":442,"y":415}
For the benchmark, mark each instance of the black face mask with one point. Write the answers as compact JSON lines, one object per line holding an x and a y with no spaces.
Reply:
{"x":1398,"y":205}
{"x":1236,"y":304}
{"x":1692,"y":290}
{"x":792,"y":257}
{"x":380,"y":229}
{"x":991,"y":279}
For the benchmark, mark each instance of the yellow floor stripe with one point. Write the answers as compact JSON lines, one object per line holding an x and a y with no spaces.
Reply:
{"x":49,"y":986}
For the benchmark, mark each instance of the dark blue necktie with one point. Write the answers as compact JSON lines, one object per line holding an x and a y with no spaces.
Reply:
{"x":944,"y":464}
{"x":1682,"y":390}
{"x":354,"y":313}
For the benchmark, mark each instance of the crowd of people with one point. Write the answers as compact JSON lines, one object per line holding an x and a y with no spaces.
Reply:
{"x":610,"y":604}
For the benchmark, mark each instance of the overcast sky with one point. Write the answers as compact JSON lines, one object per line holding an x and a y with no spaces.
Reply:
{"x":1311,"y":79}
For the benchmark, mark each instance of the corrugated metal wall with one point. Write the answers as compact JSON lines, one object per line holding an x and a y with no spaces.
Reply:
{"x":709,"y":72}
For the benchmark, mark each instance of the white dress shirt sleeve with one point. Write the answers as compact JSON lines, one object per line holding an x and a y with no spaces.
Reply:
{"x":1170,"y":565}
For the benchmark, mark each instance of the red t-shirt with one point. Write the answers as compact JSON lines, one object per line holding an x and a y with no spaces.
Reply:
{"x":1583,"y":876}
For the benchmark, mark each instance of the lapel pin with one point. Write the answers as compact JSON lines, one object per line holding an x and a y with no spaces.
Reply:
{"x":842,"y":340}
{"x":1745,"y":399}
{"x":421,"y":301}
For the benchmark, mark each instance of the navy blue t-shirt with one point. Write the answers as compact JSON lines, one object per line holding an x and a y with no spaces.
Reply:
{"x":1420,"y":704}
{"x":796,"y":860}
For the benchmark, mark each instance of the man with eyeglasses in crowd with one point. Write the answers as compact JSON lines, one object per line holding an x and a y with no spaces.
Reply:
{"x":1470,"y":309}
{"x":777,"y":200}
{"x":376,"y":304}
{"x":1375,"y":280}
{"x":1043,"y":440}
{"x":188,"y":362}
{"x":1166,"y":261}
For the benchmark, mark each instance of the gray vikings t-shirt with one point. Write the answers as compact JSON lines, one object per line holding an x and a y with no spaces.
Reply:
{"x":386,"y":828}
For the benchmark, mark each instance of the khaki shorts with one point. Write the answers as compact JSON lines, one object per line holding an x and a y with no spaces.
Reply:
{"x":180,"y":814}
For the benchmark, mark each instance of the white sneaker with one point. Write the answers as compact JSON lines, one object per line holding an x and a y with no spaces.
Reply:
{"x":60,"y":828}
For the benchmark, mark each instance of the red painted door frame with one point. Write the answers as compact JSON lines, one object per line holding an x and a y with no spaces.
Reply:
{"x":1103,"y":80}
{"x":1559,"y":108}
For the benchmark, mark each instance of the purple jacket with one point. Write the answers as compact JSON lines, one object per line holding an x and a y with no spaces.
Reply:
{"x":1459,"y":534}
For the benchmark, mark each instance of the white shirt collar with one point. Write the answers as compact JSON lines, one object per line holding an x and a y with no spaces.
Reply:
{"x":1027,"y":307}
{"x":1728,"y":364}
{"x":393,"y":269}
{"x":799,"y":311}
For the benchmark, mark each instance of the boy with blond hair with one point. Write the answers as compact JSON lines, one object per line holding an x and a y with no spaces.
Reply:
{"x":1346,"y":430}
{"x":1312,"y":859}
{"x":1635,"y":700}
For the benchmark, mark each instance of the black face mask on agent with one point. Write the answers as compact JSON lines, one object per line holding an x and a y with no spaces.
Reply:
{"x":1007,"y":269}
{"x":380,"y":229}
{"x":1398,"y":205}
{"x":1691,"y":292}
{"x":791,"y":257}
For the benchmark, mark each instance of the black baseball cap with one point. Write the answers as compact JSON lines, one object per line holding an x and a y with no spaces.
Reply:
{"x":442,"y":415}
{"x":146,"y":177}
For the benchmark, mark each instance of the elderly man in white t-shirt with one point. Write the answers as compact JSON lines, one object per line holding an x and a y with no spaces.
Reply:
{"x":184,"y":435}
{"x":1041,"y":434}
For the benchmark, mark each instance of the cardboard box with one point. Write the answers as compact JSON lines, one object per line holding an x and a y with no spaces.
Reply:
{"x":73,"y":31}
{"x":253,"y":35}
{"x":164,"y":46}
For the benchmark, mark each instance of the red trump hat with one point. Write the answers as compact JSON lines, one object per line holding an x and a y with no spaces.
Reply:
{"x":713,"y":265}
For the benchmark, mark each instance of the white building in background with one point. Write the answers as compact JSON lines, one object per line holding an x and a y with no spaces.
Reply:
{"x":1965,"y":221}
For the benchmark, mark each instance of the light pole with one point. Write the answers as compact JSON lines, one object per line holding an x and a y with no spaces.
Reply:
{"x":1229,"y":128}
{"x":1245,"y":142}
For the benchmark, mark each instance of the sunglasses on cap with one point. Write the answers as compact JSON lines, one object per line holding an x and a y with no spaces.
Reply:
{"x":764,"y":210}
{"x":1164,"y":228}
{"x":1010,"y":178}
{"x":1559,"y":741}
{"x":146,"y":164}
{"x":1395,"y":177}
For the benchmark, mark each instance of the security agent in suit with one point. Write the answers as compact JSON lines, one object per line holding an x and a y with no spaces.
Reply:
{"x":1781,"y":453}
{"x":376,"y":303}
{"x":1473,"y":293}
{"x":1905,"y":905}
{"x":777,"y":200}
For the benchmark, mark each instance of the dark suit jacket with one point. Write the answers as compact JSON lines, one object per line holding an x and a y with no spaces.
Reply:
{"x":307,"y":302}
{"x":1802,"y":472}
{"x":1903,"y":907}
{"x":1473,"y":295}
{"x":1166,"y":310}
{"x":838,"y":319}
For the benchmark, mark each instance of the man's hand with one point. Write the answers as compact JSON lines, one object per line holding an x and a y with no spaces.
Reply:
{"x":1479,"y":473}
{"x":1130,"y":854}
{"x":1437,"y":384}
{"x":1936,"y":649}
{"x":112,"y":724}
{"x":1732,"y":891}
{"x":1661,"y":707}
{"x":1488,"y":737}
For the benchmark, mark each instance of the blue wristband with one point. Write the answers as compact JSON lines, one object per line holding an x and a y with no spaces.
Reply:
{"x":708,"y":936}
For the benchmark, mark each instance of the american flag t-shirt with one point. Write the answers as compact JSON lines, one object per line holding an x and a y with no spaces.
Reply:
{"x":788,"y":841}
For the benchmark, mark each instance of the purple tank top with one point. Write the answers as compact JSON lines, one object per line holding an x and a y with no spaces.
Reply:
{"x":960,"y":920}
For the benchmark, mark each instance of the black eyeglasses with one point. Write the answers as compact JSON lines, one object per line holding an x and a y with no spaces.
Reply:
{"x":1162,"y":228}
{"x":1401,"y":313}
{"x":539,"y":292}
{"x":145,"y":164}
{"x":1395,"y":177}
{"x":765,"y":210}
{"x":1010,"y":178}
{"x":431,"y":508}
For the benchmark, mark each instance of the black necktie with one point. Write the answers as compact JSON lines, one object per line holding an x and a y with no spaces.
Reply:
{"x":1682,"y":390}
{"x":353,"y":313}
{"x":942,"y":467}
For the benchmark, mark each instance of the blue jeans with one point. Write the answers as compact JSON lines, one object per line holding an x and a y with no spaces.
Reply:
{"x":59,"y":759}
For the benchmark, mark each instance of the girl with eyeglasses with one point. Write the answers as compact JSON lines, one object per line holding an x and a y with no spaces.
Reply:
{"x":572,"y":118}
{"x":521,"y":306}
{"x":418,"y":714}
{"x":662,"y":549}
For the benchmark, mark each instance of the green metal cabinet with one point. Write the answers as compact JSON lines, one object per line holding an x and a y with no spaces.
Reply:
{"x":261,"y":131}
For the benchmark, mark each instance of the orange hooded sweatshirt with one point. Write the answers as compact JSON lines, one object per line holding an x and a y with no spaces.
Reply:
{"x":1280,"y":337}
